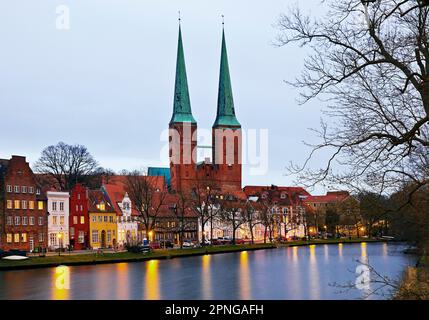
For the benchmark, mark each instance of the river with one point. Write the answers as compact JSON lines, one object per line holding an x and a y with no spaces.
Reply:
{"x":313,"y":272}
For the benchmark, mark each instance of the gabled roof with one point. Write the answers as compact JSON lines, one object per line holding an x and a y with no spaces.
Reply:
{"x":330,"y":197}
{"x":96,"y":197}
{"x":116,"y":194}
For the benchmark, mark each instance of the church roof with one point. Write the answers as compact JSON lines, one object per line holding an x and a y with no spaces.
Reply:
{"x":182,"y":105}
{"x":225,"y":104}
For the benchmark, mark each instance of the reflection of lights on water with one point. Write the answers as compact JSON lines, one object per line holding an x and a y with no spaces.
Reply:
{"x":152,"y":280}
{"x":61,"y":283}
{"x":206,"y":277}
{"x":314,"y":274}
{"x":122,"y":281}
{"x":244,"y":276}
{"x":364,"y":256}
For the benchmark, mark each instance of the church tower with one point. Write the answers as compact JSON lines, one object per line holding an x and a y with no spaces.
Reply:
{"x":227,"y":136}
{"x":182,"y":130}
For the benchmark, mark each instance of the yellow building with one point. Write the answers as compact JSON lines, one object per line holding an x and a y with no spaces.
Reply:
{"x":102,"y":221}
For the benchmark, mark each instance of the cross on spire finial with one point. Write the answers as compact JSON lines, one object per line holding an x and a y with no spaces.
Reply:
{"x":180,"y":18}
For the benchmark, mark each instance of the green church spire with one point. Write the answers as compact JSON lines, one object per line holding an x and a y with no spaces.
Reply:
{"x":225,"y":103}
{"x":182,"y":105}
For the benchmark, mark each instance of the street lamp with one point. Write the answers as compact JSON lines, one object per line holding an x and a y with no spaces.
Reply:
{"x":60,"y":236}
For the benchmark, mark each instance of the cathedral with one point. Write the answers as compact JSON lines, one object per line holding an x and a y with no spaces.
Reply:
{"x":223,"y":171}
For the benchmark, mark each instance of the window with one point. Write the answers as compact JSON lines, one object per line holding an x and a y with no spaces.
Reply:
{"x":23,"y":237}
{"x":40,"y":205}
{"x":9,"y":188}
{"x":81,"y":207}
{"x":106,"y":218}
{"x":9,"y":238}
{"x":61,"y":206}
{"x":38,"y":191}
{"x":54,"y":206}
{"x":30,"y":190}
{"x":31,"y":221}
{"x":111,"y":219}
{"x":71,"y":232}
{"x":9,"y":220}
{"x":40,"y":221}
{"x":41,"y":237}
{"x":24,"y":221}
{"x":53,"y":239}
{"x":17,"y":221}
{"x":24,"y":204}
{"x":77,"y":208}
{"x":17,"y":204}
{"x":61,"y":221}
{"x":82,"y":220}
{"x":81,"y":237}
{"x":16,"y":237}
{"x":109,"y":236}
{"x":102,"y":206}
{"x":16,"y":190}
{"x":24,"y":189}
{"x":74,"y":219}
{"x":94,"y":218}
{"x":78,"y":196}
{"x":100,"y":219}
{"x":54,"y":220}
{"x":9,"y":204}
{"x":283,"y":196}
{"x":31,"y":205}
{"x":95,"y":236}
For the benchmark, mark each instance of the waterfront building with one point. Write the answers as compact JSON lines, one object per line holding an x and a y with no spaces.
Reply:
{"x":102,"y":221}
{"x":23,"y":209}
{"x":58,"y":219}
{"x":79,"y":218}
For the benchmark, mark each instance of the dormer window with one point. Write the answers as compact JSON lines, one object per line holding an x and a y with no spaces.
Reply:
{"x":283,"y":196}
{"x":38,"y":191}
{"x":101,"y":206}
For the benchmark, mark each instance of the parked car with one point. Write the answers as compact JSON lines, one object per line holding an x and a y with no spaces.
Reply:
{"x":188,"y":244}
{"x":166,"y":244}
{"x":144,"y":249}
{"x":240,"y":241}
{"x":206,"y":242}
{"x":155,"y":245}
{"x":16,"y":252}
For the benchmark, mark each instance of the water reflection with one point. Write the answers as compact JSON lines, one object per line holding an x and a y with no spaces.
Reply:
{"x":152,"y":280}
{"x":340,"y":251}
{"x":206,"y":278}
{"x":122,"y":281}
{"x":60,"y":283}
{"x":314,"y":274}
{"x":245,"y":289}
{"x":363,"y":255}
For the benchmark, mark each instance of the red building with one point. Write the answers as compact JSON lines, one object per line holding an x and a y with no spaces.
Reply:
{"x":224,"y":170}
{"x":79,"y":218}
{"x":23,"y":207}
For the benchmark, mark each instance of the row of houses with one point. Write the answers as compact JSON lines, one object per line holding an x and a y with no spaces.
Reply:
{"x":34,"y":215}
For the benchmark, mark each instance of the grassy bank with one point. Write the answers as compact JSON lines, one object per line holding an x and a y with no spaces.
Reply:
{"x":87,"y":259}
{"x":415,"y":283}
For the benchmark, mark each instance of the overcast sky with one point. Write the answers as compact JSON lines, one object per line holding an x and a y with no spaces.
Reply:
{"x":108,"y":82}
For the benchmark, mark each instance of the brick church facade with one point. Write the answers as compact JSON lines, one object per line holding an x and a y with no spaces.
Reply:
{"x":224,"y":171}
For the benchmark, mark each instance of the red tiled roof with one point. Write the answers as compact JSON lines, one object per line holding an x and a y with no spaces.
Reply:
{"x":332,"y":196}
{"x":116,"y":193}
{"x":95,"y":197}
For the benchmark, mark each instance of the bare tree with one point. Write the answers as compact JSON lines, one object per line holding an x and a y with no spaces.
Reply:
{"x":370,"y":63}
{"x":183,"y":211}
{"x":233,"y":212}
{"x":147,"y":196}
{"x":67,"y":164}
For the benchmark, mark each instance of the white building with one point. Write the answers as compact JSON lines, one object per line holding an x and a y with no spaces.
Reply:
{"x":58,"y":219}
{"x":127,"y":223}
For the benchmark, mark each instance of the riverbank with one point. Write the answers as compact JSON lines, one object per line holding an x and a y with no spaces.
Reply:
{"x":415,"y":282}
{"x":104,"y":258}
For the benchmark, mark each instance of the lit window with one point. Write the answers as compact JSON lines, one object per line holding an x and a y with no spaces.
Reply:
{"x":74,"y":219}
{"x":40,"y":205}
{"x":109,"y":236}
{"x":16,"y":237}
{"x":82,"y":220}
{"x":61,"y":221}
{"x":54,"y":220}
{"x":31,"y":205}
{"x":23,"y":237}
{"x":9,"y":188}
{"x":9,"y":204}
{"x":9,"y":238}
{"x":81,"y":237}
{"x":95,"y":236}
{"x":17,"y":204}
{"x":81,"y":207}
{"x":78,"y":196}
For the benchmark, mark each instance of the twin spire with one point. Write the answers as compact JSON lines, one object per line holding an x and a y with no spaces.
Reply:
{"x":182,"y":111}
